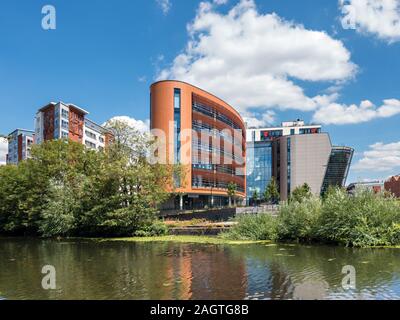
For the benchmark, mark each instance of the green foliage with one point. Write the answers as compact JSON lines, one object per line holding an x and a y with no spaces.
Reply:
{"x":67,"y":189}
{"x":232,"y":188}
{"x":301,"y":193}
{"x":298,"y":221}
{"x":253,"y":227}
{"x":58,"y":215}
{"x":155,"y":229}
{"x":365,"y":219}
{"x":271,"y":193}
{"x":361,"y":220}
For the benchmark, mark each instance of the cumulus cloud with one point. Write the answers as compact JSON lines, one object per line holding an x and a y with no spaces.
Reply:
{"x":140,"y":125}
{"x":253,"y":60}
{"x":3,"y":150}
{"x":335,"y":113}
{"x":165,"y":6}
{"x":264,"y":120}
{"x":220,"y":2}
{"x":380,"y":157}
{"x":378,"y":17}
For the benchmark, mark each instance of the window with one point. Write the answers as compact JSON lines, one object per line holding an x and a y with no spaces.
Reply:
{"x":64,"y":135}
{"x":90,"y":135}
{"x":90,"y":145}
{"x":177,"y":132}
{"x":292,"y":132}
{"x":271,"y":134}
{"x":64,"y":124}
{"x":65,"y":113}
{"x":101,"y":139}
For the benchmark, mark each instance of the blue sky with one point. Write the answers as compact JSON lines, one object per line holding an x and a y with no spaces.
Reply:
{"x":295,"y":55}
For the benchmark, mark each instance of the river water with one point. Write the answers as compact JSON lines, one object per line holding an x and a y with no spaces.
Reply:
{"x":128,"y":270}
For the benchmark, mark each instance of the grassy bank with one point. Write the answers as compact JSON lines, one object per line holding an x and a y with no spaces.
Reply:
{"x":187,"y":239}
{"x":363,"y":220}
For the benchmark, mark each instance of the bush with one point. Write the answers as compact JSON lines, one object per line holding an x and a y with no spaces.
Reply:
{"x":298,"y":221}
{"x":365,"y":219}
{"x":157,"y":228}
{"x":58,"y":215}
{"x":253,"y":227}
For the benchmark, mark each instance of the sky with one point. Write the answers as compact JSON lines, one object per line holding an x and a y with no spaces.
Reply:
{"x":335,"y":63}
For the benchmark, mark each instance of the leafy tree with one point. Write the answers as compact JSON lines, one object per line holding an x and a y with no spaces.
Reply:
{"x":66,"y":189}
{"x":255,"y":196}
{"x":232,"y":188}
{"x":271,"y":193}
{"x":301,"y":193}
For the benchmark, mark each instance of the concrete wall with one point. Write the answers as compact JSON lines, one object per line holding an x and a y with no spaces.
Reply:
{"x":309,"y":158}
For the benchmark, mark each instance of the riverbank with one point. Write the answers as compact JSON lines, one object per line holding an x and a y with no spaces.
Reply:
{"x":186,"y":239}
{"x":222,"y":241}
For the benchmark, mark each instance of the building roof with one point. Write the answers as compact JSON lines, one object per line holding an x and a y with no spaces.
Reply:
{"x":288,"y":125}
{"x":65,"y":104}
{"x":394,"y":179}
{"x":22,"y":130}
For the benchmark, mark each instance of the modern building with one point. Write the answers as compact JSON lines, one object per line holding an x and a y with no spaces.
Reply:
{"x":294,"y":154}
{"x":262,"y":161}
{"x":393,"y":185}
{"x":19,"y":145}
{"x":376,"y":186}
{"x":338,"y":168}
{"x":206,"y":136}
{"x":68,"y":121}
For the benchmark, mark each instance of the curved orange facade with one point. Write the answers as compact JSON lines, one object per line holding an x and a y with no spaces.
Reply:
{"x":204,"y":134}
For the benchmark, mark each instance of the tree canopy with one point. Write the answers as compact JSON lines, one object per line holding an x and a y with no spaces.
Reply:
{"x":66,"y":189}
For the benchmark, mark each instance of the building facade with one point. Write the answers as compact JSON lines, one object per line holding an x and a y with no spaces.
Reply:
{"x":19,"y":145}
{"x":206,"y":136}
{"x":297,"y":153}
{"x":375,"y":186}
{"x":338,"y":168}
{"x":262,"y":160}
{"x":67,"y":121}
{"x":392,"y":185}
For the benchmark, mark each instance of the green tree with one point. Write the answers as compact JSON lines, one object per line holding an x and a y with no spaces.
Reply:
{"x":271,"y":193}
{"x":67,"y":189}
{"x":301,"y":193}
{"x":232,"y":189}
{"x":255,"y":197}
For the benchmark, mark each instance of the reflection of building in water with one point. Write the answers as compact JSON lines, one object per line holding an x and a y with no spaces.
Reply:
{"x":204,"y":274}
{"x":219,"y":275}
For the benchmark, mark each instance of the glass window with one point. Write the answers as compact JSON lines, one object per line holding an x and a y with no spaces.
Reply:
{"x":177,"y":132}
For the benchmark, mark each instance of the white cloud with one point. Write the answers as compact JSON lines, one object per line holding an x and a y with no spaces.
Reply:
{"x":165,"y":6}
{"x":264,"y":120}
{"x":335,"y":113}
{"x":139,"y":125}
{"x":380,"y":157}
{"x":378,"y":17}
{"x":220,"y":2}
{"x":3,"y":150}
{"x":252,"y":59}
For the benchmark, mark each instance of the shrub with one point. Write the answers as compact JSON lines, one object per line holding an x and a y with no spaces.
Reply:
{"x":365,"y":219}
{"x":299,"y":220}
{"x":157,"y":228}
{"x":253,"y":227}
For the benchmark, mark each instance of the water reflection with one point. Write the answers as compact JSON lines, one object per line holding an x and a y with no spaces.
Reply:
{"x":90,"y":270}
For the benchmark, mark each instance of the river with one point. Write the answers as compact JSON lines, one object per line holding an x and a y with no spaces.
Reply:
{"x":129,"y":270}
